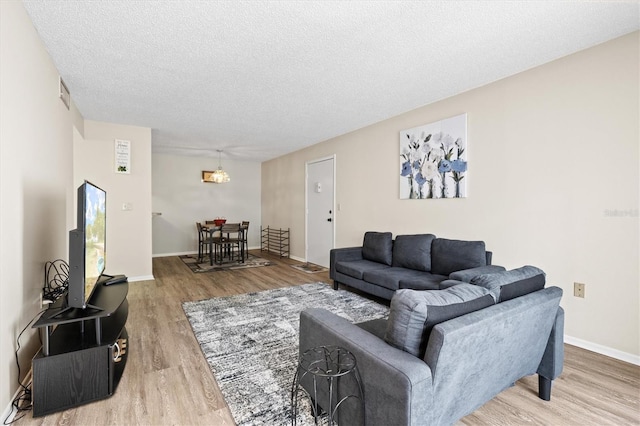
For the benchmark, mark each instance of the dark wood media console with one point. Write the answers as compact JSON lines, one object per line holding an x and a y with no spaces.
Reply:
{"x":84,"y":351}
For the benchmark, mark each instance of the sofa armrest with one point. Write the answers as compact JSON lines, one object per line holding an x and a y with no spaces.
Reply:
{"x":466,"y":275}
{"x":342,"y":254}
{"x":397,"y":385}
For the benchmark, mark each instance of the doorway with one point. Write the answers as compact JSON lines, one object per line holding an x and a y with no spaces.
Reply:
{"x":320,"y":208}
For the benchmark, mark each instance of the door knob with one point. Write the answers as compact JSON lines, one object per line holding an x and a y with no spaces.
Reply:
{"x":329,"y":220}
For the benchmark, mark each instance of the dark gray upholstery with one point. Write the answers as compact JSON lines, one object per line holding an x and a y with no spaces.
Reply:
{"x":377,"y":327}
{"x":411,"y":257}
{"x":423,"y":282}
{"x":377,"y":247}
{"x":448,"y":256}
{"x":414,"y":313}
{"x":509,"y":284}
{"x":468,"y":359}
{"x":413,"y":251}
{"x":390,"y":277}
{"x":357,"y":268}
{"x":397,"y":385}
{"x":466,"y":275}
{"x":514,"y":336}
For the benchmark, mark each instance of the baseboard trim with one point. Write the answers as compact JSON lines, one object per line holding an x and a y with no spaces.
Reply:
{"x":299,"y":259}
{"x":602,"y":350}
{"x":182,"y":253}
{"x":141,"y":278}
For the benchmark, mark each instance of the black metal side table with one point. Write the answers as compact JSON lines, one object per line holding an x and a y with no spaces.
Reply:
{"x":332,"y":377}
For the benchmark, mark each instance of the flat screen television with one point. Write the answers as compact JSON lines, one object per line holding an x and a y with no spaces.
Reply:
{"x":87,"y":245}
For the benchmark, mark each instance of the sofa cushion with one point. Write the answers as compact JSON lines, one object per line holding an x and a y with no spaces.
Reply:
{"x":414,"y":313}
{"x":390,"y":277}
{"x":448,"y":256}
{"x":413,"y":251}
{"x":466,"y":275}
{"x":507,"y":285}
{"x":357,"y":268}
{"x":423,"y":282}
{"x":377,"y":247}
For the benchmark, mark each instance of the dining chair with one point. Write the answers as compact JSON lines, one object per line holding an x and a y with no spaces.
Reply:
{"x":245,"y":236}
{"x":229,"y":242}
{"x":204,"y":242}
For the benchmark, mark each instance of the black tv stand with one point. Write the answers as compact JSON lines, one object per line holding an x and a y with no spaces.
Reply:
{"x":69,"y":311}
{"x":82,"y":357}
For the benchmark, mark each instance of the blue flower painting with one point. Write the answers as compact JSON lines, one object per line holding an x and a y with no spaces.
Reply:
{"x":433,"y":160}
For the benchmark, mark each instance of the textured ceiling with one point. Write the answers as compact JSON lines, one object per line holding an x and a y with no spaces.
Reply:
{"x":259,"y":79}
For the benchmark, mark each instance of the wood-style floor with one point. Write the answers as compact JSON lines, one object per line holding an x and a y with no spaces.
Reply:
{"x":168,"y":382}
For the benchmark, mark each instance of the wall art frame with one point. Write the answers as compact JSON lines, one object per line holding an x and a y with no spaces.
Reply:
{"x":433,"y":160}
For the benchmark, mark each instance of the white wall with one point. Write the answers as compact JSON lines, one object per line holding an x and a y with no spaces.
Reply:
{"x":128,"y":232}
{"x":183,"y":200}
{"x":36,"y":177}
{"x":553,"y":154}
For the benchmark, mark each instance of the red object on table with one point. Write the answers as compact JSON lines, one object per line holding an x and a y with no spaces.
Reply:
{"x":219,"y":222}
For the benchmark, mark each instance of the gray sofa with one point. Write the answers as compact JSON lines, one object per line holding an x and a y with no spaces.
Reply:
{"x":421,"y":262}
{"x":425,"y":365}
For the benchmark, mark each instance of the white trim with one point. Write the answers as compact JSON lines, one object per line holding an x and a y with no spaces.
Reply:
{"x":602,"y":350}
{"x":182,"y":253}
{"x":141,"y":278}
{"x":299,"y":259}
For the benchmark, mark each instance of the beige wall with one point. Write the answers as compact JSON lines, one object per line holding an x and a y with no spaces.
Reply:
{"x":36,"y":177}
{"x":183,"y":199}
{"x":128,"y":232}
{"x":553,"y":154}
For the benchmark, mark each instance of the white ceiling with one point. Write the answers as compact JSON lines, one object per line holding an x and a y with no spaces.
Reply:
{"x":259,"y":79}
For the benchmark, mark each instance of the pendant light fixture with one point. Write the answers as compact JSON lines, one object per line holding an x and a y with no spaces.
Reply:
{"x":219,"y":175}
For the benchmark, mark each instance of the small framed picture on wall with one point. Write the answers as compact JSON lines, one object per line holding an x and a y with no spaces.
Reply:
{"x":122,"y":156}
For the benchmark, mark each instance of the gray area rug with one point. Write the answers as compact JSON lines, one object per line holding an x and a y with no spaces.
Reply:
{"x":251,"y":344}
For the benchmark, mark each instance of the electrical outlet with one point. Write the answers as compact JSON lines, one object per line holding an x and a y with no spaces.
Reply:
{"x":578,"y":289}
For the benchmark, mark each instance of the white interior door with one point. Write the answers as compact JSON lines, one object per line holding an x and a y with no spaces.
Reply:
{"x":320,"y":210}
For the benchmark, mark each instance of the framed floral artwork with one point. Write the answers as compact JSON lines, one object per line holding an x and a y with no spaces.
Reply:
{"x":433,"y":160}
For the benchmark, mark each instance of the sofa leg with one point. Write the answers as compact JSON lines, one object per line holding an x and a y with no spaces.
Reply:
{"x":544,"y":388}
{"x":335,"y":284}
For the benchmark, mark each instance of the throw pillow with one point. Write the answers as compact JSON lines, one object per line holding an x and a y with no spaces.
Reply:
{"x":414,"y":313}
{"x":448,"y":256}
{"x":413,"y":251}
{"x":377,"y":247}
{"x":507,"y":285}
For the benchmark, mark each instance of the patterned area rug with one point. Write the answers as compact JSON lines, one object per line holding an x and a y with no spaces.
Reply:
{"x":309,"y":268}
{"x":250,"y":262}
{"x":251,"y":344}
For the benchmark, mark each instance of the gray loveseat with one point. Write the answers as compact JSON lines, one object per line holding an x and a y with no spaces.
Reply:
{"x":444,"y":353}
{"x":421,"y":262}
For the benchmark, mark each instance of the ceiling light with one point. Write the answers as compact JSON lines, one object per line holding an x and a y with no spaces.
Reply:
{"x":219,"y":175}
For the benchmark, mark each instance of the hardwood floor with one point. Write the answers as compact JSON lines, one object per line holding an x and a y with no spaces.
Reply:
{"x":168,"y":382}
